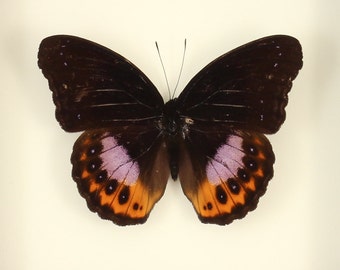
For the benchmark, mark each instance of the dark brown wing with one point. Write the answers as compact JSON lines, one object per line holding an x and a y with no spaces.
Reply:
{"x":94,"y":87}
{"x":245,"y":88}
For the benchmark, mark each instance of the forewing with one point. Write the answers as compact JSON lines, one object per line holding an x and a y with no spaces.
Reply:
{"x":94,"y":87}
{"x":121,"y":173}
{"x":224,"y":176}
{"x":245,"y":88}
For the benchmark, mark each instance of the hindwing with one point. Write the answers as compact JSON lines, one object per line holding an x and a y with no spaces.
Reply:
{"x":121,"y":173}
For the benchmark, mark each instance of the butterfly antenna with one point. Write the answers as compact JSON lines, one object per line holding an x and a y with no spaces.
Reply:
{"x":166,"y":77}
{"x":180,"y":72}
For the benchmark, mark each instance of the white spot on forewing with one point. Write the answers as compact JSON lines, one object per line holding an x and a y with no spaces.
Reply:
{"x":270,"y":76}
{"x":226,"y":161}
{"x":117,"y":162}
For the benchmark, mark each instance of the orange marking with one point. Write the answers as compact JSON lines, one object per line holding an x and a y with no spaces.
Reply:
{"x":261,"y":155}
{"x":258,"y":141}
{"x":94,"y":186}
{"x":83,"y":157}
{"x":86,"y":141}
{"x":250,"y":184}
{"x":259,"y":172}
{"x":85,"y":174}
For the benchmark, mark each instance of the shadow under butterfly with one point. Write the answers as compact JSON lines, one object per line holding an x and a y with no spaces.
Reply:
{"x":211,"y":136}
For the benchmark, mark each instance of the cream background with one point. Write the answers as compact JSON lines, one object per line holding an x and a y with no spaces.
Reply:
{"x":45,"y":224}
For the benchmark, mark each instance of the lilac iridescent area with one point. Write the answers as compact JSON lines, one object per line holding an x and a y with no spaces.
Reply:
{"x":117,"y":162}
{"x":226,"y":162}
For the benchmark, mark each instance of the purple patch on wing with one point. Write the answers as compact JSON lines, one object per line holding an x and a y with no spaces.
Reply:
{"x":226,"y":162}
{"x":117,"y":162}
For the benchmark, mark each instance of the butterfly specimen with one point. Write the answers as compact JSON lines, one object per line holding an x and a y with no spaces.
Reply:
{"x":211,"y":137}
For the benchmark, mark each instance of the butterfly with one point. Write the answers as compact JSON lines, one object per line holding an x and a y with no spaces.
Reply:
{"x":211,"y":136}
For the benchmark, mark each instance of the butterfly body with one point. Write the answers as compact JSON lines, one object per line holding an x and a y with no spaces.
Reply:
{"x":210,"y":137}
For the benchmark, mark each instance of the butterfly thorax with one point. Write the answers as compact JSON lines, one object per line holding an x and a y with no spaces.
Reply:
{"x":170,"y":123}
